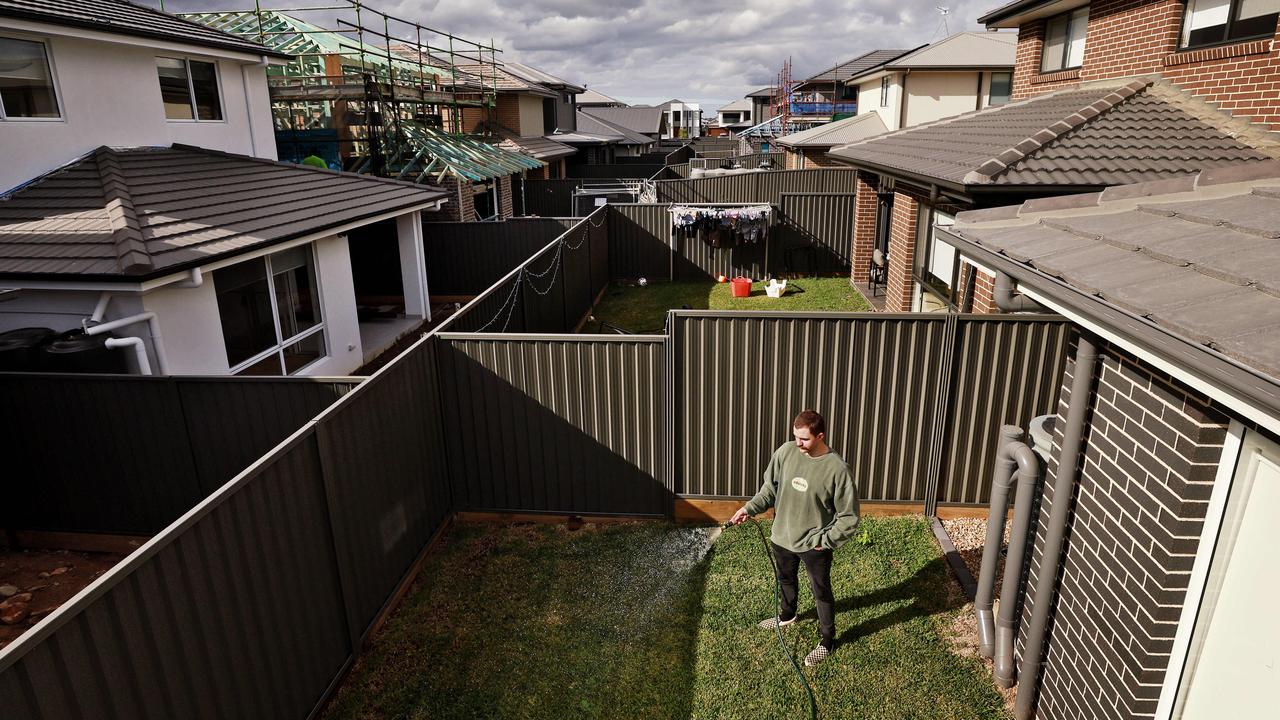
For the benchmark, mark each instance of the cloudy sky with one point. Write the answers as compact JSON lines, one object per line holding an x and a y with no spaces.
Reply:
{"x":644,"y":51}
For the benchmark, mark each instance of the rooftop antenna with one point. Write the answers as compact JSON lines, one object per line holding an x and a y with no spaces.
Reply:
{"x":943,"y":12}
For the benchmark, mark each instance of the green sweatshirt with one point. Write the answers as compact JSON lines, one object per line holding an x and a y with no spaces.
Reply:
{"x":814,"y":499}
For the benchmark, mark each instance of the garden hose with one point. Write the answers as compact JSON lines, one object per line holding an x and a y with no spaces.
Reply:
{"x":777,"y":627}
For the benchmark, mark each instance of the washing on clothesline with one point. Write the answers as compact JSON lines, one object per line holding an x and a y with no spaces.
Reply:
{"x":723,"y":227}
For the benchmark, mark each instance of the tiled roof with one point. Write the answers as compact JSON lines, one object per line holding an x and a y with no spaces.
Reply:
{"x":1196,"y":256}
{"x":597,"y":126}
{"x":837,"y":133}
{"x":591,"y":97}
{"x":856,"y":66}
{"x":1095,"y":136}
{"x":126,"y":18}
{"x":540,"y":77}
{"x":143,"y":212}
{"x":541,"y":148}
{"x":492,"y":76}
{"x":963,"y":50}
{"x":761,"y":93}
{"x":641,"y":119}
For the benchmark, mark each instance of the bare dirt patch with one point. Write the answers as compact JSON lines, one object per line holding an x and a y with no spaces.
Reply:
{"x":34,"y":583}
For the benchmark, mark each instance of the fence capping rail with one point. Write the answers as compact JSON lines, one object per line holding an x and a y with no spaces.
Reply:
{"x":553,"y":337}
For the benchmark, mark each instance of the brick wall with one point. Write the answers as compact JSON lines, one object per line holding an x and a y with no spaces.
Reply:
{"x":506,"y":198}
{"x":902,"y":244}
{"x":793,"y":160}
{"x":1140,"y":37}
{"x":1151,"y":449}
{"x":980,"y":298}
{"x":460,"y":206}
{"x":817,"y":157}
{"x":864,"y":225}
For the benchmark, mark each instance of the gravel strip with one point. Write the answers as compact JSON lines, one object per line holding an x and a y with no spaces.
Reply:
{"x":969,"y":535}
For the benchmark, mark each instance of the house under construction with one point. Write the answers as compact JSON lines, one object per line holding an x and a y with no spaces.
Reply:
{"x":369,"y":92}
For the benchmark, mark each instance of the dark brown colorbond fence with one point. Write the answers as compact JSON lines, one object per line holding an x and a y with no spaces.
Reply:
{"x":759,"y":187}
{"x":466,"y":258}
{"x":129,"y":454}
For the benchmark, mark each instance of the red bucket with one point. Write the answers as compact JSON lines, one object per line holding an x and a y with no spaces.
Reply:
{"x":741,"y":286}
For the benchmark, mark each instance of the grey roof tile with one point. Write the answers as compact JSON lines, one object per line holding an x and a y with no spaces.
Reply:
{"x":855,"y":67}
{"x":639,"y":119}
{"x":127,"y":18}
{"x":1093,"y":136}
{"x":177,"y":206}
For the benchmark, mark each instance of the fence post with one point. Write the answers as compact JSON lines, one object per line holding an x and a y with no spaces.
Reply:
{"x":328,"y":463}
{"x":941,"y":414}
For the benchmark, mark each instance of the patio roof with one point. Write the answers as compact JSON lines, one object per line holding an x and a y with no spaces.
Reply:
{"x":126,"y":18}
{"x":1187,"y":267}
{"x":1088,"y":137}
{"x":138,"y":213}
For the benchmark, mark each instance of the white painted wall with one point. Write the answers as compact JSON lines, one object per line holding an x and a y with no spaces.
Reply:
{"x":869,"y":100}
{"x":189,"y":328}
{"x":109,"y":94}
{"x":531,"y":117}
{"x":63,"y":310}
{"x":936,"y":95}
{"x":338,"y":296}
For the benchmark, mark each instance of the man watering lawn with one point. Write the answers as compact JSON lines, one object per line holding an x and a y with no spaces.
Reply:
{"x":815,"y":511}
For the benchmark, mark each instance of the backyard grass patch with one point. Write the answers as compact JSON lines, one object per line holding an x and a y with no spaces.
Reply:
{"x":636,"y":621}
{"x":644,"y":309}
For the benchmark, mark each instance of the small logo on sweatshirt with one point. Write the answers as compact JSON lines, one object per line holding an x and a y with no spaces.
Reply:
{"x":799,"y":483}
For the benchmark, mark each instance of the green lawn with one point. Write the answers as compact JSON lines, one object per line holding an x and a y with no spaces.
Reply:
{"x":644,"y":309}
{"x":637,"y":621}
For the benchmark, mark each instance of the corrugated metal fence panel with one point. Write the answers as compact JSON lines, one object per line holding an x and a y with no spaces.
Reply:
{"x":543,"y":307}
{"x":232,"y":422}
{"x":638,"y":241}
{"x":130,"y":453}
{"x":1008,"y":369}
{"x":741,"y":378}
{"x":572,"y":423}
{"x":467,"y":257}
{"x":824,"y":220}
{"x":756,"y":187}
{"x":548,"y":198}
{"x":698,"y":260}
{"x":631,"y":171}
{"x":385,"y":466}
{"x":823,"y":180}
{"x":236,"y":613}
{"x":681,"y":170}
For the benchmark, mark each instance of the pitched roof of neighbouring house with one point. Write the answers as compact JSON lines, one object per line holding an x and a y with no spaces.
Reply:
{"x":126,"y":18}
{"x":736,"y":106}
{"x":542,"y":148}
{"x":1196,"y":257}
{"x":597,"y":126}
{"x":541,"y":77}
{"x":591,"y":97}
{"x":641,"y":119}
{"x":1090,"y":136}
{"x":856,"y":66}
{"x":144,"y":212}
{"x":973,"y":49}
{"x":502,"y":79}
{"x":837,"y":133}
{"x":761,"y":93}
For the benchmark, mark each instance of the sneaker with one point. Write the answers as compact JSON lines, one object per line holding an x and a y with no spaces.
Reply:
{"x":816,"y":656}
{"x":773,"y":622}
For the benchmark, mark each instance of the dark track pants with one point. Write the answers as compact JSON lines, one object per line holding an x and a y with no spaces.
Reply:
{"x":817,"y":565}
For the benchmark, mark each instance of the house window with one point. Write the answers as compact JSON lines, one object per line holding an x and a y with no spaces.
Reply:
{"x":847,"y":92}
{"x":549,"y":123}
{"x":884,"y":91}
{"x":270,"y":312}
{"x":675,"y":117}
{"x":189,"y":89}
{"x":26,"y":81}
{"x":935,"y":260}
{"x":1064,"y":41}
{"x":1001,"y":88}
{"x":1210,"y":22}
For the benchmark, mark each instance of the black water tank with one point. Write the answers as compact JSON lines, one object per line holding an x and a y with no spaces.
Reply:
{"x":76,"y":352}
{"x":20,"y":349}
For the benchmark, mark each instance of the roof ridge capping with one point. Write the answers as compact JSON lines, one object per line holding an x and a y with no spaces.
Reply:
{"x":132,"y":256}
{"x":998,"y":164}
{"x":1246,"y":172}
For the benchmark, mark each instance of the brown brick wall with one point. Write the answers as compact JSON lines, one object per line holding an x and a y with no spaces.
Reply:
{"x":864,"y":225}
{"x":460,"y":205}
{"x":506,"y":198}
{"x":1137,"y":37}
{"x":1151,"y":450}
{"x":817,"y":158}
{"x":983,"y":291}
{"x":793,"y":160}
{"x":902,"y":245}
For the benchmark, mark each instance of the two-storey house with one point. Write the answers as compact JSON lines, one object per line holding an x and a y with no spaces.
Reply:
{"x":145,"y":225}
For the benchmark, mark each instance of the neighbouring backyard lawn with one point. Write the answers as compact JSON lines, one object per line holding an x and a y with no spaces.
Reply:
{"x":639,"y":620}
{"x":644,"y":309}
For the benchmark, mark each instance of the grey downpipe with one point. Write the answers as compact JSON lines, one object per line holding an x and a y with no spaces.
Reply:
{"x":1008,"y":301}
{"x":995,"y":639}
{"x":1063,"y":484}
{"x":1029,"y":471}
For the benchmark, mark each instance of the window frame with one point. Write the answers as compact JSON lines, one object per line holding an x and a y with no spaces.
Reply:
{"x":53,"y":77}
{"x":927,"y":221}
{"x":884,"y":91}
{"x":191,"y":88}
{"x":321,"y":325}
{"x":1233,"y":9}
{"x":1066,"y":44}
{"x":991,"y":83}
